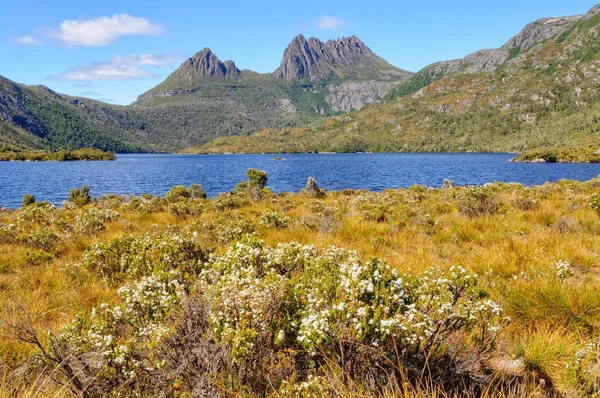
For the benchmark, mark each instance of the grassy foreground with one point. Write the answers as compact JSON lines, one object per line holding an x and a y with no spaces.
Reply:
{"x":476,"y":291}
{"x":58,"y":156}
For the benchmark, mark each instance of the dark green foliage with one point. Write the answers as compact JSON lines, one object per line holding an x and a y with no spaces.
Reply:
{"x":257,"y":177}
{"x":177,"y":193}
{"x":414,"y":84}
{"x":28,"y":199}
{"x":80,"y":196}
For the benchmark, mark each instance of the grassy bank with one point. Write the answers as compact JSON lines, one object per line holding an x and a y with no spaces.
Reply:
{"x":58,"y":156}
{"x":482,"y":291}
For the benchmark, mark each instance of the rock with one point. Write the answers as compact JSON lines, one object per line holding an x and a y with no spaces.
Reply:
{"x":354,"y":95}
{"x":206,"y":63}
{"x":346,"y":58}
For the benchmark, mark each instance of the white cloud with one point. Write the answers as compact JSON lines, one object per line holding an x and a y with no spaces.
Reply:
{"x":330,"y":23}
{"x":28,"y":41}
{"x":148,"y":59}
{"x":104,"y":72}
{"x":94,"y":32}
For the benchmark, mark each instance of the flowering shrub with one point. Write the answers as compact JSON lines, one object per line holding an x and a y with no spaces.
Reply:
{"x":526,"y":201}
{"x":41,"y":212}
{"x":291,"y":305}
{"x":116,"y":343}
{"x":145,"y":204}
{"x":135,"y":257}
{"x":293,"y":297}
{"x":274,"y":220}
{"x":92,"y":221}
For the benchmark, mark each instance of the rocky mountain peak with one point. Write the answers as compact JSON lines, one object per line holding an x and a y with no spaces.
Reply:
{"x":348,"y":57}
{"x":206,"y":63}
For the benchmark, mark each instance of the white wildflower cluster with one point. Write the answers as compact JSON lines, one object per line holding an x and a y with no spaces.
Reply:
{"x":586,"y":369}
{"x":274,"y":220}
{"x":121,"y":336}
{"x":313,"y":387}
{"x":140,"y":256}
{"x":248,"y":286}
{"x":297,"y":297}
{"x":93,"y":221}
{"x":563,"y":270}
{"x":41,"y":212}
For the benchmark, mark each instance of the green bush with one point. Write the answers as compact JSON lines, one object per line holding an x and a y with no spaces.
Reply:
{"x":257,"y":177}
{"x":177,"y":193}
{"x":28,"y":199}
{"x":80,"y":196}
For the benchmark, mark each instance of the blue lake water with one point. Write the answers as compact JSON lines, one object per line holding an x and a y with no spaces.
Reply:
{"x":156,"y":174}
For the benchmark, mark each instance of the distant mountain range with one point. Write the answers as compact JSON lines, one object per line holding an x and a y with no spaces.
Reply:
{"x":203,"y":99}
{"x":538,"y":90}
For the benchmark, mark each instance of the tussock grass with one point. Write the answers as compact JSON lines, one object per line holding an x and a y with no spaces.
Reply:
{"x":513,"y":249}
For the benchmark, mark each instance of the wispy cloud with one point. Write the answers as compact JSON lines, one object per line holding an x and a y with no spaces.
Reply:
{"x":149,"y":59}
{"x":120,"y":67}
{"x":330,"y":23}
{"x":93,"y":32}
{"x":104,"y":72}
{"x":28,"y":41}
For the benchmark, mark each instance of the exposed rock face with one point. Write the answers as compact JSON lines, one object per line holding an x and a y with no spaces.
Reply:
{"x":354,"y":95}
{"x":492,"y":60}
{"x":346,"y":58}
{"x":206,"y":63}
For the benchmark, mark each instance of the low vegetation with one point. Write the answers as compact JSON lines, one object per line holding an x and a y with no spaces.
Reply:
{"x":478,"y":291}
{"x":58,"y":156}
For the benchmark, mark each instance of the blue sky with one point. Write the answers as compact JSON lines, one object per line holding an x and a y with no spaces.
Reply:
{"x":115,"y":50}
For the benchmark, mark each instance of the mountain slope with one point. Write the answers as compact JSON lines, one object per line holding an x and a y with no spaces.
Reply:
{"x":542,"y":97}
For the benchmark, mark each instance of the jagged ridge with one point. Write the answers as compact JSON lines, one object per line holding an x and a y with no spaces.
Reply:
{"x":345,"y":58}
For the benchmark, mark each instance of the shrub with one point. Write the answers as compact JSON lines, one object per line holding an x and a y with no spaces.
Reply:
{"x":41,"y":239}
{"x":274,"y":220}
{"x":93,"y":221}
{"x":129,"y":257}
{"x":291,"y":306}
{"x":80,"y":196}
{"x":257,"y":177}
{"x":185,"y":209}
{"x":177,"y":193}
{"x":478,"y":200}
{"x":36,"y":257}
{"x":197,"y":192}
{"x":28,"y":199}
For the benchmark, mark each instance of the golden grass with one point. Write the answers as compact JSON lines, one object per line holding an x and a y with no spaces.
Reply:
{"x":514,"y":251}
